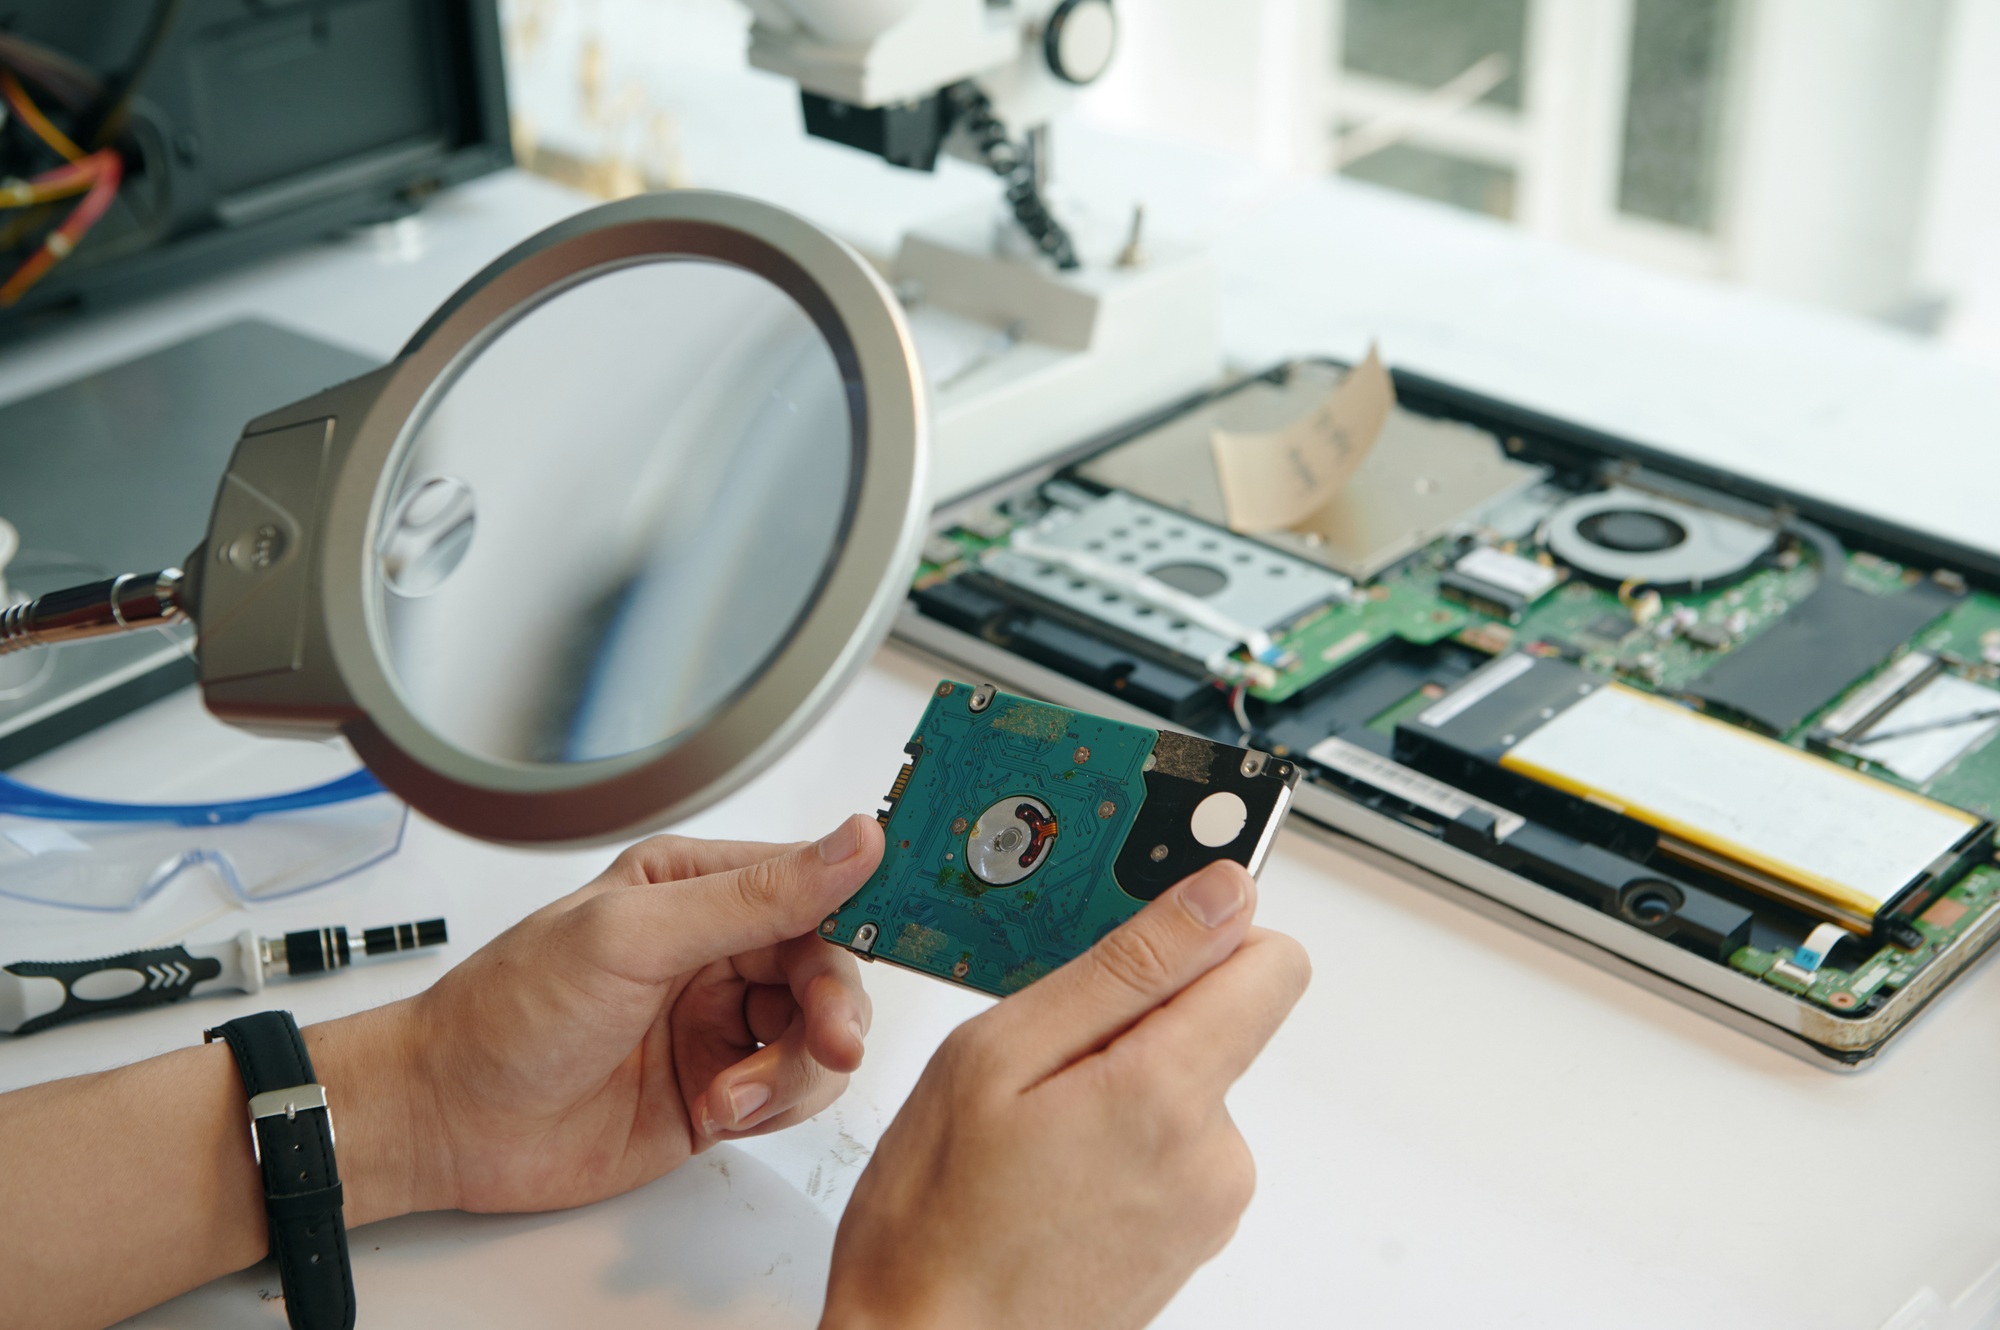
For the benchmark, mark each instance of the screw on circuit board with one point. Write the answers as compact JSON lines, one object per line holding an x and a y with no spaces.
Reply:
{"x":1253,"y":764}
{"x":945,"y":690}
{"x":1159,"y":853}
{"x":962,"y":969}
{"x":1840,"y":1000}
{"x":958,"y":826}
{"x":1082,"y":756}
{"x":1106,"y":809}
{"x":982,"y":697}
{"x":864,"y":937}
{"x":828,"y":926}
{"x":1151,"y":762}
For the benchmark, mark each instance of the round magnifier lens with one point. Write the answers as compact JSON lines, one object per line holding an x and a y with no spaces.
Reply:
{"x":614,"y":514}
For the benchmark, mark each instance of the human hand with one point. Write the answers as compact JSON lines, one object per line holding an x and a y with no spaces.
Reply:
{"x":681,"y":998}
{"x":1066,"y":1158}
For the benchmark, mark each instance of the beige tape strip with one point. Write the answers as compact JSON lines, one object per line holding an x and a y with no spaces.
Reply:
{"x":1279,"y":479}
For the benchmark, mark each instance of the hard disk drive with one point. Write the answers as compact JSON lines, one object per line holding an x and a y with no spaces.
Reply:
{"x":1020,"y":833}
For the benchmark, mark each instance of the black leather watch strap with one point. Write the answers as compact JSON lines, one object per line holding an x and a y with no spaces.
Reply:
{"x":291,"y":1133}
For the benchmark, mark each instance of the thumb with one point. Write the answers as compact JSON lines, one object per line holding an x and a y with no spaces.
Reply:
{"x":1136,"y":967}
{"x":653,"y":931}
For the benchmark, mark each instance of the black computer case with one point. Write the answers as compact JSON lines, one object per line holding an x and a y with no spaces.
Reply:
{"x":254,"y":125}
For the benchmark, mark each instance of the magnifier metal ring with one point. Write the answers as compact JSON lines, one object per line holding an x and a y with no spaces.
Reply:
{"x":505,"y":659}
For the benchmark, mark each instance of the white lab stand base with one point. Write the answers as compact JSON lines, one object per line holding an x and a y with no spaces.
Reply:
{"x":1025,"y":361}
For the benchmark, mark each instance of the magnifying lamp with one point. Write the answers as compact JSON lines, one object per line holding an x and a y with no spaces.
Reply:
{"x":603,"y":539}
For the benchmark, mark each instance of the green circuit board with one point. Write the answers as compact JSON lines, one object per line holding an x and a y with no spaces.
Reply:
{"x":1592,"y":621}
{"x":1889,"y":968}
{"x":1589,"y":619}
{"x":1406,"y":606}
{"x":925,"y":908}
{"x":1605,"y":632}
{"x":1648,"y":645}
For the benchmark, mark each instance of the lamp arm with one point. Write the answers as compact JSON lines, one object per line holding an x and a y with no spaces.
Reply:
{"x":121,"y":604}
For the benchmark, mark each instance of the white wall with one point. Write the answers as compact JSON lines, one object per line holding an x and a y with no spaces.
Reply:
{"x":655,"y":89}
{"x":1866,"y":174}
{"x":1233,"y":75}
{"x":1828,"y":191}
{"x":1959,"y":248}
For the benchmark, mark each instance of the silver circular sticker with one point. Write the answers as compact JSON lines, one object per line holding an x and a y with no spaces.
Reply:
{"x":1011,"y":839}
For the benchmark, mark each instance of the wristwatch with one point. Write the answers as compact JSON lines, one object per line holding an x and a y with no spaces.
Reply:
{"x":291,"y":1135}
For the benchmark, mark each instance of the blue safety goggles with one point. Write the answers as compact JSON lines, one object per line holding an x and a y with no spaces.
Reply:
{"x":88,"y":854}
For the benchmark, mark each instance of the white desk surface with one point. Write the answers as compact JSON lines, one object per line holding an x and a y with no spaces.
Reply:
{"x":1513,"y":1138}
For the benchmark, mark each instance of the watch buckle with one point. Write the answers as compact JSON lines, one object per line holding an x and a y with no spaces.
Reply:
{"x":287,"y":1103}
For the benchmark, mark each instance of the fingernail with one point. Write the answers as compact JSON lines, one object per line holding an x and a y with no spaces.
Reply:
{"x":854,"y":1028}
{"x":840,"y":843}
{"x":746,"y":1099}
{"x":1213,"y":897}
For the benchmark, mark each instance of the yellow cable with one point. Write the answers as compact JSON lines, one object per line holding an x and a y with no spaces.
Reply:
{"x":31,"y":115}
{"x":21,"y":194}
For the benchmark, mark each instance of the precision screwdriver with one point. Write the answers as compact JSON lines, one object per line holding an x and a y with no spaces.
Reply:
{"x":37,"y":994}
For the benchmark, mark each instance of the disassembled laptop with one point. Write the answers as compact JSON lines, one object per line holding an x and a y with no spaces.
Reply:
{"x":1727,"y":740}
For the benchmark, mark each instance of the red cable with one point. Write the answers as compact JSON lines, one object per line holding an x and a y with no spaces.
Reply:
{"x":109,"y":169}
{"x":58,"y":183}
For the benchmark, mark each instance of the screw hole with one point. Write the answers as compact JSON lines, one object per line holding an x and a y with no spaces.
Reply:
{"x":1650,"y":903}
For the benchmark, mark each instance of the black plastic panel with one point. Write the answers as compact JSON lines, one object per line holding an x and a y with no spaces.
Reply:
{"x":263,"y":125}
